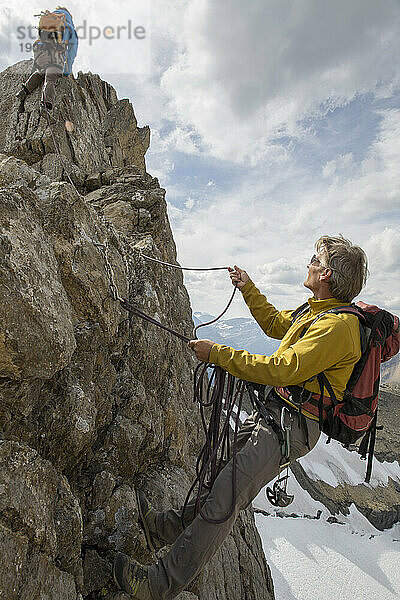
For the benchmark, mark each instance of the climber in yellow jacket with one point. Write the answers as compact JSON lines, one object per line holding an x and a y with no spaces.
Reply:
{"x":330,"y":344}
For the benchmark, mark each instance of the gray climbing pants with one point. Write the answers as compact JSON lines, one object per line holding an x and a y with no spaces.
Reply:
{"x":49,"y":75}
{"x":257,"y":463}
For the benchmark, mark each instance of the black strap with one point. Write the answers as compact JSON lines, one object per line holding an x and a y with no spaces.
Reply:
{"x":328,"y":387}
{"x":303,"y":424}
{"x":300,"y":311}
{"x":302,"y":418}
{"x":372,"y":437}
{"x":324,"y":383}
{"x":321,"y":402}
{"x":260,"y":406}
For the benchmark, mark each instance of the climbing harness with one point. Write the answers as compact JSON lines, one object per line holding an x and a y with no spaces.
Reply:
{"x":278,"y":495}
{"x":213,"y":389}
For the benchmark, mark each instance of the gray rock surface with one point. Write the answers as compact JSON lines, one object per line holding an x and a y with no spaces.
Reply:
{"x":93,"y":128}
{"x":94,"y":401}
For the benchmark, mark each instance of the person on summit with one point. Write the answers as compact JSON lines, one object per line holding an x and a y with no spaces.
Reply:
{"x":54,"y":53}
{"x":330,"y":344}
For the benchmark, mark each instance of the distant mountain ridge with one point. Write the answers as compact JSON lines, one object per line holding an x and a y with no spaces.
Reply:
{"x":241,"y":333}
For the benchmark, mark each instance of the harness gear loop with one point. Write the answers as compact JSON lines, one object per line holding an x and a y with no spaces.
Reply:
{"x":278,"y":495}
{"x":286,"y":429}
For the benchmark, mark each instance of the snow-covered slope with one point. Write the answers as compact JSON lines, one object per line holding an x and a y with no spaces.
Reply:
{"x":314,"y":559}
{"x":313,"y":555}
{"x":335,"y":465}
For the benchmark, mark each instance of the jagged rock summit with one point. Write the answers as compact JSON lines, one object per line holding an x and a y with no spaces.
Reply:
{"x":103,"y":131}
{"x":93,"y":401}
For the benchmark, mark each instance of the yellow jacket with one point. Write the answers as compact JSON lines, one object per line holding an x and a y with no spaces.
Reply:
{"x":331,"y":344}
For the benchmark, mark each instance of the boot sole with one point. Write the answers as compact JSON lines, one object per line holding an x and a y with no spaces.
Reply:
{"x":118,"y":563}
{"x":142,"y":520}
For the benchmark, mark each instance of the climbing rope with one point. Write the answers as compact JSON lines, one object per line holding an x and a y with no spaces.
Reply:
{"x":219,"y":399}
{"x":133,"y":309}
{"x":161,"y":262}
{"x":223,"y":390}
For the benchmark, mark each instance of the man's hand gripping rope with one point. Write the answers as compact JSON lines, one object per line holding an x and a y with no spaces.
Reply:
{"x":202,"y":348}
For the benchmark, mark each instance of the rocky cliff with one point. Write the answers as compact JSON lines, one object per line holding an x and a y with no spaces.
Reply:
{"x":93,"y":401}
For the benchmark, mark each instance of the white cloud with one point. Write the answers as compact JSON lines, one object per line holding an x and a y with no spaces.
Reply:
{"x":234,"y":82}
{"x":247,"y":75}
{"x":384,"y":248}
{"x":280,"y":271}
{"x":340,"y":165}
{"x":189,"y":203}
{"x":268,"y":228}
{"x":352,"y":194}
{"x":178,"y":140}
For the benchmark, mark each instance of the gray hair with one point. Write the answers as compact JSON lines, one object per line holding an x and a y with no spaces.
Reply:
{"x":349,"y":266}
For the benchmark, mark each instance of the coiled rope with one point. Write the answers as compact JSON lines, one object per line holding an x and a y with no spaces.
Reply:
{"x":218,"y":448}
{"x":223,"y":390}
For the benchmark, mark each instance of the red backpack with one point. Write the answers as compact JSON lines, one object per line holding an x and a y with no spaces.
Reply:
{"x":356,"y":415}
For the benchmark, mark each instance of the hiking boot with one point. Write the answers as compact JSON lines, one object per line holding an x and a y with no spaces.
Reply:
{"x":147,"y":518}
{"x":131,"y":577}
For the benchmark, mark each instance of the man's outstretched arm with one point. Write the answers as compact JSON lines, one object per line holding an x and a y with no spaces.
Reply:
{"x":273,"y":322}
{"x":328,"y":342}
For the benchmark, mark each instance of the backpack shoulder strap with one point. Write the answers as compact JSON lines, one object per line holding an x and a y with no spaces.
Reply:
{"x":351,"y":309}
{"x":300,"y":311}
{"x":348,"y":309}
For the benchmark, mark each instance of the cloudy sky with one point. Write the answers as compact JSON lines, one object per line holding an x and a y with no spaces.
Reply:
{"x":273,"y":122}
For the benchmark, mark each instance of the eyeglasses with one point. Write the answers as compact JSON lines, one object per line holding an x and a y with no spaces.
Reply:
{"x":314,"y":260}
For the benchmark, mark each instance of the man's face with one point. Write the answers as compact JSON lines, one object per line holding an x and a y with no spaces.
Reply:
{"x":315,"y":269}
